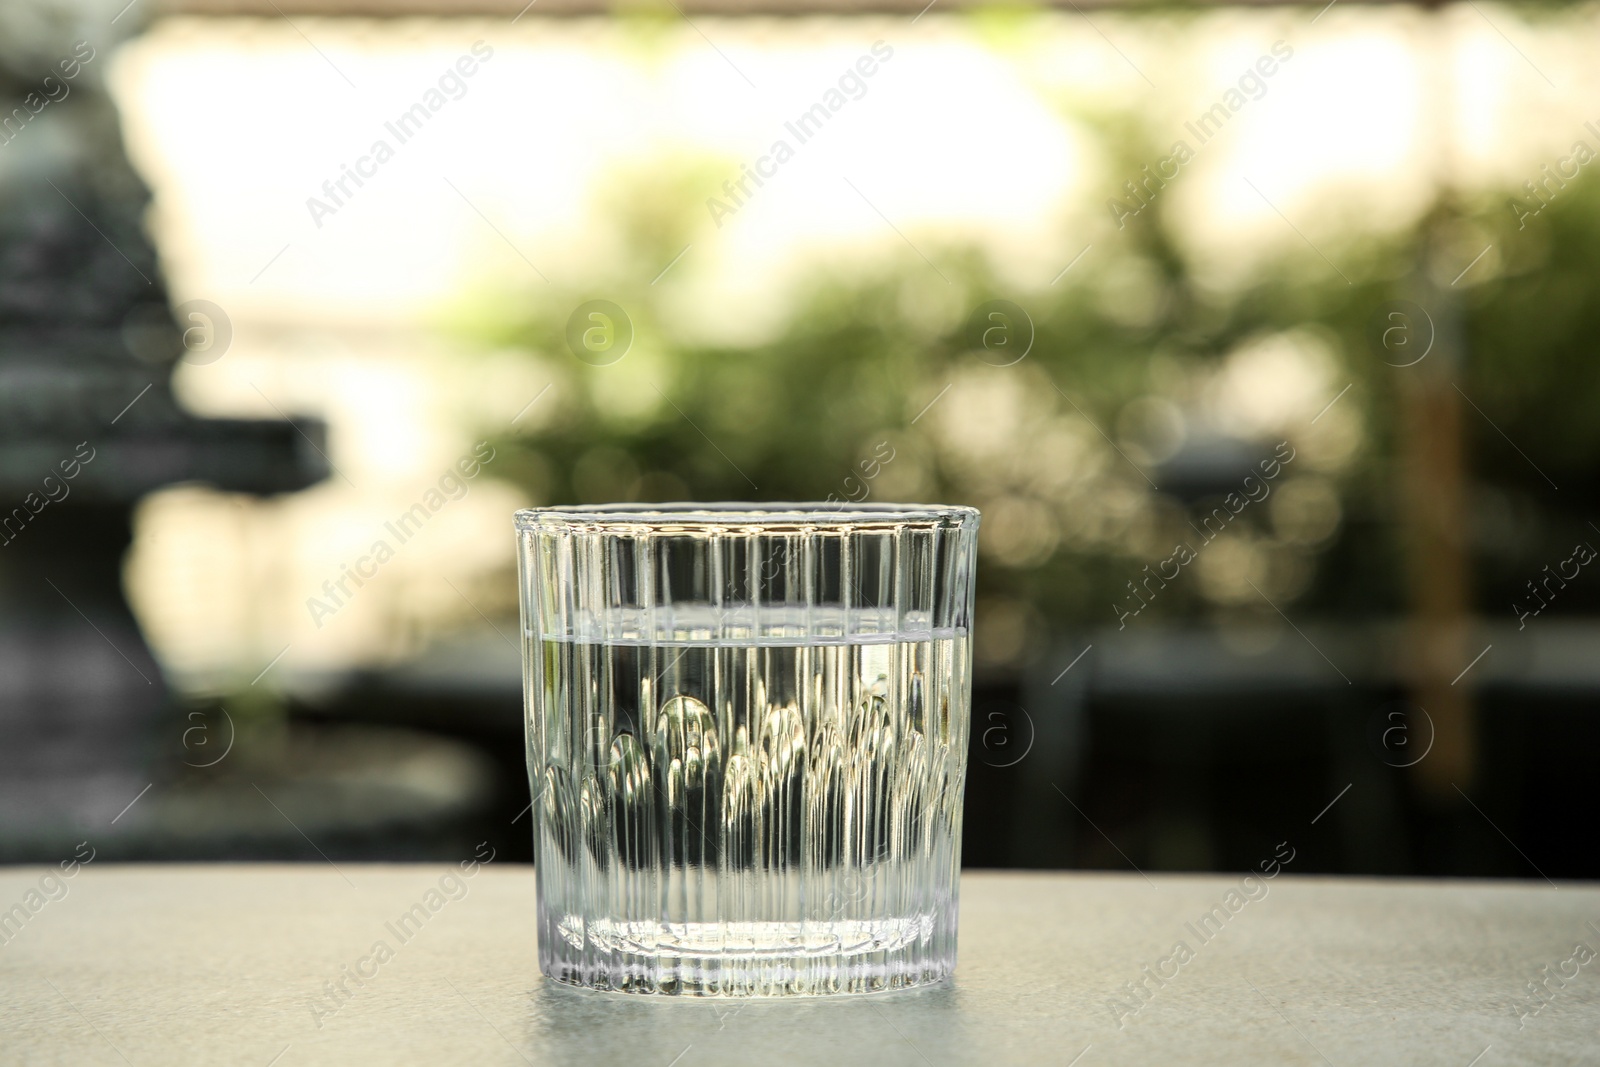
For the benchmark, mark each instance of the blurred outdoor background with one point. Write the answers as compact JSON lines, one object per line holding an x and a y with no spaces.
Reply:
{"x":1311,"y":292}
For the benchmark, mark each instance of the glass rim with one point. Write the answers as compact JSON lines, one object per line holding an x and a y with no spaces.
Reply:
{"x":742,"y":515}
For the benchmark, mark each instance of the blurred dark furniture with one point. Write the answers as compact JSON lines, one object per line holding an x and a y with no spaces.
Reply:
{"x":1183,"y":750}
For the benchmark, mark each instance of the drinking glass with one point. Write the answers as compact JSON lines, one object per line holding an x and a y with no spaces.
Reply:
{"x":747,"y":740}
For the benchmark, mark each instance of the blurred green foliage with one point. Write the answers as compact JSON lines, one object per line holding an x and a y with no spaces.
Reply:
{"x":1050,"y":447}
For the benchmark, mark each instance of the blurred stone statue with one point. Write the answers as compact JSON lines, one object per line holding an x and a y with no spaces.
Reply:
{"x":88,"y":425}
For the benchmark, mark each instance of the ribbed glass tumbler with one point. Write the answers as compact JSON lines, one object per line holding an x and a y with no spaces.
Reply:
{"x":747,"y":739}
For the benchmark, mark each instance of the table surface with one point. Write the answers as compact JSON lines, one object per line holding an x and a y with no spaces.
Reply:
{"x":230,"y":965}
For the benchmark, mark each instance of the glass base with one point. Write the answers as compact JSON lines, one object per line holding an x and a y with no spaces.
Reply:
{"x":751,"y":959}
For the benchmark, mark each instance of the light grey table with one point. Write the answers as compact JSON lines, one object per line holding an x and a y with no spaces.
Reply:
{"x":231,"y":965}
